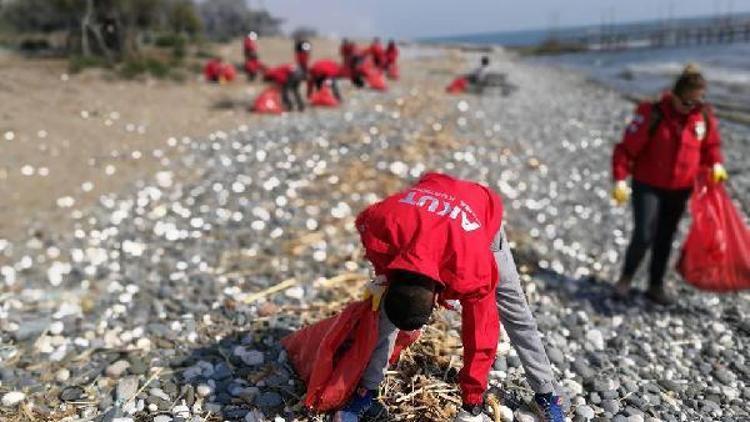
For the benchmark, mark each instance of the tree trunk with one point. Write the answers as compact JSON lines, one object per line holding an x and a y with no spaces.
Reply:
{"x":85,"y":23}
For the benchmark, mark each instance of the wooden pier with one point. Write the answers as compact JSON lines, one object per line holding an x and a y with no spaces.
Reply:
{"x":666,"y":34}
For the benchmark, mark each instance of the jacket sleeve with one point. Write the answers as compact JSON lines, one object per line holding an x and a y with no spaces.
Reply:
{"x":635,"y":138}
{"x":711,"y":147}
{"x":479,"y":334}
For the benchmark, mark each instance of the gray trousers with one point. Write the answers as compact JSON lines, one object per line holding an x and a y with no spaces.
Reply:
{"x":515,"y":316}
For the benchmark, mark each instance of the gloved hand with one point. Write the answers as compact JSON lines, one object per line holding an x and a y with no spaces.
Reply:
{"x":375,"y":290}
{"x":465,"y":416}
{"x":719,"y":173}
{"x":621,"y":192}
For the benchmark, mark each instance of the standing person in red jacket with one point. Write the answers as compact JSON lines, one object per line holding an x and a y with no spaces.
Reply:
{"x":377,"y":53}
{"x":441,"y":240}
{"x":321,"y":72}
{"x":250,"y":46}
{"x":253,"y":65}
{"x":346,"y":51}
{"x":391,"y":54}
{"x":302,"y":51}
{"x":664,"y":147}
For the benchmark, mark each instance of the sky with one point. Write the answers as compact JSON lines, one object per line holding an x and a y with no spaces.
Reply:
{"x":408,"y":19}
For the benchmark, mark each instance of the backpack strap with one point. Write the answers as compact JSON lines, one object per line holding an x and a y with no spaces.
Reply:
{"x":654,"y":118}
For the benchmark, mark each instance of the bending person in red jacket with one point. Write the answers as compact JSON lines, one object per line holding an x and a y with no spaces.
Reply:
{"x":441,"y":240}
{"x":664,"y":147}
{"x":321,"y":72}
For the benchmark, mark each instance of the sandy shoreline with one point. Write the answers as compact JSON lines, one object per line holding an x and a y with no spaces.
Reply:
{"x":66,"y":139}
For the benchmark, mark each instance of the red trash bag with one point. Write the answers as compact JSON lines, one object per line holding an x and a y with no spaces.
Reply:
{"x":268,"y":102}
{"x":716,"y":253}
{"x":393,"y":71}
{"x":324,"y":97}
{"x":228,"y":72}
{"x":212,"y":70}
{"x":331,"y":355}
{"x":404,"y":339}
{"x":375,"y":79}
{"x":458,"y":85}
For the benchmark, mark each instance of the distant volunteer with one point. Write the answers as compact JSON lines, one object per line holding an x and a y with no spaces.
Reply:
{"x":253,"y":66}
{"x":324,"y":72}
{"x":663,"y":148}
{"x":391,"y":54}
{"x":442,"y":240}
{"x":377,"y":53}
{"x":289,"y":77}
{"x":477,"y":77}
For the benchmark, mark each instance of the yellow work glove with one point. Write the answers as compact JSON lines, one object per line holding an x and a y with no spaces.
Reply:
{"x":719,"y":173}
{"x":375,"y":290}
{"x":621,"y":192}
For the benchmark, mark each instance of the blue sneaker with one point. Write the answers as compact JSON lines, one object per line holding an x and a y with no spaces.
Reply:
{"x":358,"y":405}
{"x":548,"y":407}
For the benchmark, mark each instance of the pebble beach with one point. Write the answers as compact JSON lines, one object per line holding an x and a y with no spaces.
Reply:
{"x":166,"y":300}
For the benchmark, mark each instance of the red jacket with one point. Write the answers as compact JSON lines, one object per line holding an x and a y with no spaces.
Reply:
{"x":680,"y":144}
{"x":250,"y":47}
{"x":327,"y":69}
{"x":442,"y":227}
{"x":391,"y":54}
{"x":279,"y":74}
{"x":302,"y":58}
{"x":378,"y":54}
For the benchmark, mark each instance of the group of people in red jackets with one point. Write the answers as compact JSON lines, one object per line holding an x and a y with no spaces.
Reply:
{"x":362,"y":66}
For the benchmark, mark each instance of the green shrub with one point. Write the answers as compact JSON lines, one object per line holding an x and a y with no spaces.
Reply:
{"x":137,"y":66}
{"x":78,"y":63}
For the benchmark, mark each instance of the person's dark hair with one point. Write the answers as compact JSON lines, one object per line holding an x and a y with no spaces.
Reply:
{"x":690,"y":79}
{"x":409,"y":299}
{"x":485,"y":60}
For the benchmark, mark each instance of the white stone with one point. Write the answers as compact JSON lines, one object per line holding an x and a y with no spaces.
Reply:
{"x":181,"y":411}
{"x":163,"y":418}
{"x":296,"y":292}
{"x":573,"y":387}
{"x":56,"y":328}
{"x":506,"y":415}
{"x":13,"y":398}
{"x":204,"y":390}
{"x":525,"y":416}
{"x":62,"y":375}
{"x":594,"y":338}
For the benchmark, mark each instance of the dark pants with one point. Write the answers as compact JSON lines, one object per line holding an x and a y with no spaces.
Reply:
{"x":657,"y":213}
{"x":334,"y":86}
{"x":291,"y":88}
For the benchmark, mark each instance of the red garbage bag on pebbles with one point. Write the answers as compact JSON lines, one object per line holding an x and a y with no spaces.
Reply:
{"x":404,"y":339}
{"x":228,"y":72}
{"x":716,"y":253}
{"x":458,"y":86}
{"x":212,"y":70}
{"x":269,"y":101}
{"x":324,"y":97}
{"x":331,"y":355}
{"x":375,"y":79}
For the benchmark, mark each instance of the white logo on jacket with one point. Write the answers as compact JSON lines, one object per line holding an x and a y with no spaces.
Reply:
{"x":700,"y":130}
{"x":423,"y":197}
